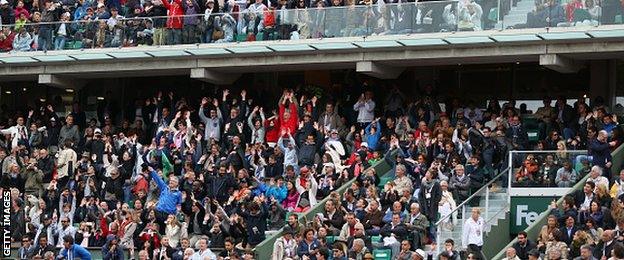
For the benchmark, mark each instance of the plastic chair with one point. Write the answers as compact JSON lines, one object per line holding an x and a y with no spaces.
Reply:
{"x":383,"y":180}
{"x":493,"y":15}
{"x":581,"y":15}
{"x":375,"y":239}
{"x":382,"y":254}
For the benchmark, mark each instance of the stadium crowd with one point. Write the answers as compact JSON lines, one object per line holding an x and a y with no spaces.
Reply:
{"x":76,"y":24}
{"x":206,"y":178}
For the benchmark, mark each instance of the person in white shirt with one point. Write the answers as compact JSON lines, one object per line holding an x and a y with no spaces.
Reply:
{"x":472,"y":235}
{"x":366,"y":109}
{"x":596,"y":177}
{"x":17,"y":132}
{"x":203,"y":251}
{"x":64,"y":229}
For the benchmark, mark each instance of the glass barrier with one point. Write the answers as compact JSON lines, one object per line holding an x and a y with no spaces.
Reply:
{"x":560,"y":169}
{"x":94,"y":30}
{"x":81,"y":27}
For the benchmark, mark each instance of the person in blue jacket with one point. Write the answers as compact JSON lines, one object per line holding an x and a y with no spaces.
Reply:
{"x":73,"y":251}
{"x":170,"y":197}
{"x":373,"y":134}
{"x":112,"y":250}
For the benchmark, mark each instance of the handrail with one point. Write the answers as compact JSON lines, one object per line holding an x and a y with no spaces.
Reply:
{"x":549,"y":151}
{"x":473,"y":195}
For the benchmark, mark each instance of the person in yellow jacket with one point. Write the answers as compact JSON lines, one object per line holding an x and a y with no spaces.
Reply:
{"x":617,"y":188}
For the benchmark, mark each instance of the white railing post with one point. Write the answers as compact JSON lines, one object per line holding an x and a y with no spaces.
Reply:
{"x":509,"y":176}
{"x":487,"y":204}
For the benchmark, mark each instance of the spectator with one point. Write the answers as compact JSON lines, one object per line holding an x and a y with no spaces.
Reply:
{"x":285,"y":246}
{"x":71,"y":250}
{"x":510,"y":254}
{"x":27,"y":250}
{"x":566,"y":175}
{"x":417,"y":224}
{"x":203,"y":251}
{"x":472,"y":237}
{"x":556,"y":244}
{"x":365,"y":107}
{"x":523,"y":246}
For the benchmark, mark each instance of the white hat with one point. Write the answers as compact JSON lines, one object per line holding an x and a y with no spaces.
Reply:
{"x":100,"y":5}
{"x":3,"y":2}
{"x":421,"y":253}
{"x":364,"y":144}
{"x":97,"y":131}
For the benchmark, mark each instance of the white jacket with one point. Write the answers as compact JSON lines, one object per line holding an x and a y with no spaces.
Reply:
{"x":14,"y":131}
{"x":65,"y":156}
{"x":473,"y":232}
{"x":311,"y":192}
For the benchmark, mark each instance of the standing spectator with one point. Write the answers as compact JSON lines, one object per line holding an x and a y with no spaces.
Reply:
{"x":472,"y":233}
{"x":365,"y":106}
{"x":174,"y":21}
{"x":170,"y":197}
{"x":600,"y":152}
{"x":66,"y":163}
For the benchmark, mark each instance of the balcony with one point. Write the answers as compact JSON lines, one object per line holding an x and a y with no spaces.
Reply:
{"x":379,"y":40}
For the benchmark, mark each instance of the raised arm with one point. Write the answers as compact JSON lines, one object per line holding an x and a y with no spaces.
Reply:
{"x":159,"y":181}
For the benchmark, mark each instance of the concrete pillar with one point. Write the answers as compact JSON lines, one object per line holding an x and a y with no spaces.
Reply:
{"x":60,"y":81}
{"x":214,"y":77}
{"x":377,"y":70}
{"x":602,"y":80}
{"x":559,"y":63}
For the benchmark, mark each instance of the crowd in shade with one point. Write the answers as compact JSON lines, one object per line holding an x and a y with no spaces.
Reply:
{"x":181,"y":177}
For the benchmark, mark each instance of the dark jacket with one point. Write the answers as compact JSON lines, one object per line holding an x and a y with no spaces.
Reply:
{"x":108,"y":254}
{"x":600,"y":152}
{"x":601,"y":249}
{"x":523,"y":251}
{"x":256,"y":225}
{"x":399,"y":231}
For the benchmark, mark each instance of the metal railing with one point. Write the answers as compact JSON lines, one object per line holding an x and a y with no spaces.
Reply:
{"x":473,"y":200}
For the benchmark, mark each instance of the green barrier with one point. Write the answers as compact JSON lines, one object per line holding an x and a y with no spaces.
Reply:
{"x":534,"y":229}
{"x":265,"y":249}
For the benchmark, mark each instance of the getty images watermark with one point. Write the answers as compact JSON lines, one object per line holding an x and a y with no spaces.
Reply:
{"x":6,"y":223}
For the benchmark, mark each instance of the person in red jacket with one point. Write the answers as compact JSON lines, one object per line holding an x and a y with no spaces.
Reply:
{"x":175,"y":21}
{"x":6,"y":39}
{"x":288,"y":119}
{"x":272,"y":130}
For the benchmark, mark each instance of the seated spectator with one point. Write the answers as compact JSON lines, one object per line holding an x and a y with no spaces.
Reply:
{"x":556,"y":244}
{"x":417,"y":225}
{"x":358,"y":250}
{"x":73,"y":250}
{"x":617,"y":188}
{"x":586,"y":253}
{"x":596,"y":177}
{"x":566,"y":175}
{"x":394,"y":232}
{"x":523,"y":246}
{"x":332,"y":218}
{"x":510,"y":254}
